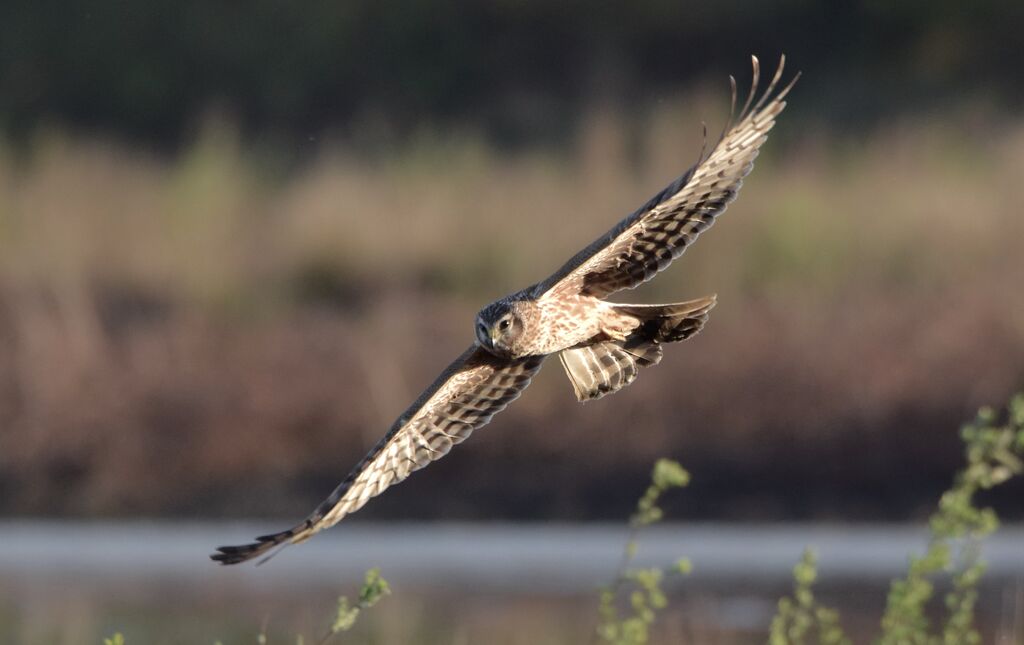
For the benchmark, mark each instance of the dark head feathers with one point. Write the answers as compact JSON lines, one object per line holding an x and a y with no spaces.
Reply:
{"x":493,"y":312}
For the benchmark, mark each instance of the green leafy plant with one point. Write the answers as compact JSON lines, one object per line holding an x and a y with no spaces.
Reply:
{"x":641,"y":585}
{"x":802,"y":615}
{"x":994,"y":453}
{"x":629,"y":605}
{"x":374,"y":588}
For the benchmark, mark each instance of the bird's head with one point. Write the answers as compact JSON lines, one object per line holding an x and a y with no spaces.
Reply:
{"x":498,"y":326}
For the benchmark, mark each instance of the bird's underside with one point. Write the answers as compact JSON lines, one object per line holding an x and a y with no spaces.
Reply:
{"x":601,"y":345}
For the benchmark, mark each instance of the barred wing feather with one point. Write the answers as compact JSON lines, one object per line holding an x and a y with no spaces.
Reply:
{"x":659,"y":231}
{"x":472,"y":390}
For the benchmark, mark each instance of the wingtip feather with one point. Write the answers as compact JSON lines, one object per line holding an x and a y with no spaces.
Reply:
{"x":244,"y":552}
{"x":755,"y":79}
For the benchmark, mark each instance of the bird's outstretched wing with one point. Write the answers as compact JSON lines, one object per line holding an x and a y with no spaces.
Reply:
{"x":472,"y":390}
{"x":659,"y":231}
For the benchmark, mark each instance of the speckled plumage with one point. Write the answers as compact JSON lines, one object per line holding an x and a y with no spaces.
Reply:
{"x":601,"y":345}
{"x":552,"y":324}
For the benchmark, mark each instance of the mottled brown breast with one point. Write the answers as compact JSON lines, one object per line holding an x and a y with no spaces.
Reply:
{"x":554,"y":324}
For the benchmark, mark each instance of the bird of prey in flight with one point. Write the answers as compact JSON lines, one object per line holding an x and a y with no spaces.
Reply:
{"x":602,"y":345}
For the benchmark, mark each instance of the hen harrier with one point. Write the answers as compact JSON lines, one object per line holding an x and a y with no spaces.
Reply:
{"x":601,"y":345}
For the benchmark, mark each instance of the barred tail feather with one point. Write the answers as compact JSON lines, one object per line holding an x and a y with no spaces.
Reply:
{"x":669,"y":323}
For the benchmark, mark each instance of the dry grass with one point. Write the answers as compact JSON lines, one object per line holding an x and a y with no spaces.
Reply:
{"x":204,"y":333}
{"x":921,"y":203}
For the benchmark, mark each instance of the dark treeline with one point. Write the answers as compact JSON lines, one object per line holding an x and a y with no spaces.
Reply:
{"x":149,"y":69}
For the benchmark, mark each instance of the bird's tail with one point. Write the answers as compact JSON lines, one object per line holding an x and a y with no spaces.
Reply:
{"x":610,"y":365}
{"x":668,"y":323}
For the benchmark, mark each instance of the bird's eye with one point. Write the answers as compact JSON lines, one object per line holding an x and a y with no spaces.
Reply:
{"x":505,"y":324}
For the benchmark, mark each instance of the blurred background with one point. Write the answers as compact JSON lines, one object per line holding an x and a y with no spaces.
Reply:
{"x":236,"y":240}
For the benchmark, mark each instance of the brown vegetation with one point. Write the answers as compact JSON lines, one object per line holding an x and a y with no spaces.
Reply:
{"x":207,"y":336}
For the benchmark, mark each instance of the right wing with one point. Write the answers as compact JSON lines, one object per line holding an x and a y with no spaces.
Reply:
{"x":473,"y":389}
{"x":659,"y":231}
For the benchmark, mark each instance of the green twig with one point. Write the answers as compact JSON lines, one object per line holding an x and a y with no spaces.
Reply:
{"x":646,"y":597}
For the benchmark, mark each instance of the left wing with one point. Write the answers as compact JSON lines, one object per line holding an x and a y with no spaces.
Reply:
{"x":473,"y":389}
{"x":659,"y":231}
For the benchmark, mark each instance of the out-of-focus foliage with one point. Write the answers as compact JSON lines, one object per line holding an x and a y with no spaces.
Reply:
{"x":519,"y":70}
{"x":188,"y":311}
{"x":166,"y":311}
{"x":802,"y":615}
{"x":641,"y":585}
{"x":374,"y":588}
{"x":994,"y":453}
